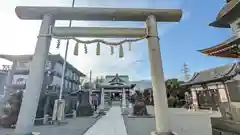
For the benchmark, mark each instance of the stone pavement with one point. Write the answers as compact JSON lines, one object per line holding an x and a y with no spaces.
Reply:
{"x":110,"y":124}
{"x":182,"y":122}
{"x":77,"y":126}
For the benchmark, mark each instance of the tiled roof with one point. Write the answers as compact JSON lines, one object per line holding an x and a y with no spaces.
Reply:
{"x":114,"y":81}
{"x":52,"y":57}
{"x":214,"y":74}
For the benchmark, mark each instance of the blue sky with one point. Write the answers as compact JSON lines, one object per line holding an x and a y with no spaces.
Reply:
{"x":178,"y":41}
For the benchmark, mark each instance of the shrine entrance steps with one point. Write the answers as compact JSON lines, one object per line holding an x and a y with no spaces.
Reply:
{"x":110,"y":124}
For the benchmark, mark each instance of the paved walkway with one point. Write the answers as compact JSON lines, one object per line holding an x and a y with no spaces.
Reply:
{"x":182,"y":122}
{"x":110,"y":124}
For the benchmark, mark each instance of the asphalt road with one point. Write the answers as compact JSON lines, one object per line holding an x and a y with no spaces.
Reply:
{"x":182,"y":122}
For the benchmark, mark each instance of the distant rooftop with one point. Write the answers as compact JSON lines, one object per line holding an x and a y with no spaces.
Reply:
{"x":215,"y":74}
{"x":117,"y":81}
{"x":52,"y":57}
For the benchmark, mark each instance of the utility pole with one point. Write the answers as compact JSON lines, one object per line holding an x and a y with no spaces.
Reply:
{"x":186,"y":72}
{"x":59,"y":105}
{"x":90,"y":87}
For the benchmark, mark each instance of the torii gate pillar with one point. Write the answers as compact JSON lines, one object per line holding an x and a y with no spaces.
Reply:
{"x":158,"y":84}
{"x":30,"y":100}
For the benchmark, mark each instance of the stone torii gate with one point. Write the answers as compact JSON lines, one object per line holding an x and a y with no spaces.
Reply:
{"x":48,"y":15}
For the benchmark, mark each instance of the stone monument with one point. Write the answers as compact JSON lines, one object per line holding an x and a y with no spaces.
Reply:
{"x":139,"y":107}
{"x":84,"y":108}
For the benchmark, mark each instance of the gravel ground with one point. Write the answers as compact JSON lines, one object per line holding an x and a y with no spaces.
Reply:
{"x":182,"y":122}
{"x":76,"y":126}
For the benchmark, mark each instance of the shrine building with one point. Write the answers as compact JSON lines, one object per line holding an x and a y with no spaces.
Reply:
{"x":115,"y":84}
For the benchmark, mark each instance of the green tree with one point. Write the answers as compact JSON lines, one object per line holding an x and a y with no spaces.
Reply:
{"x":172,"y":86}
{"x":175,"y":92}
{"x":86,"y":85}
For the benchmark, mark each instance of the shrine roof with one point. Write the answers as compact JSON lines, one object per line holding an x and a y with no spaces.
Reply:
{"x":229,"y":13}
{"x":215,"y":74}
{"x":51,"y":57}
{"x":228,"y":49}
{"x":115,"y":81}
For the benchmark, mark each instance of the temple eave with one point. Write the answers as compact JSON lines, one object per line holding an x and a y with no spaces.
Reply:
{"x":224,"y":56}
{"x":227,"y":45}
{"x":227,"y":52}
{"x":219,"y":24}
{"x":228,"y":13}
{"x":118,"y":87}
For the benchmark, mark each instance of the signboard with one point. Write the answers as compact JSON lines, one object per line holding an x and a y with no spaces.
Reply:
{"x":223,"y":95}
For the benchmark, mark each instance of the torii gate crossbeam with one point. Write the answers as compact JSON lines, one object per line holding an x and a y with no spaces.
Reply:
{"x":48,"y":15}
{"x":98,"y":14}
{"x":98,"y":32}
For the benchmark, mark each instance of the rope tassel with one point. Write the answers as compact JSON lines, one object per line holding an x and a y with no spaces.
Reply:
{"x":58,"y":44}
{"x":112,"y":50}
{"x":85,"y":49}
{"x":121,"y":53}
{"x":130,"y":46}
{"x":76,"y":49}
{"x":98,"y":49}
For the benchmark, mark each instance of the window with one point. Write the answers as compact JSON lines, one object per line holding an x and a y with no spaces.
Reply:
{"x":69,"y":73}
{"x":66,"y":84}
{"x":72,"y":85}
{"x":72,"y":77}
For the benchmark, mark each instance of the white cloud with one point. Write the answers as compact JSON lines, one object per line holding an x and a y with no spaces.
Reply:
{"x":19,"y":36}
